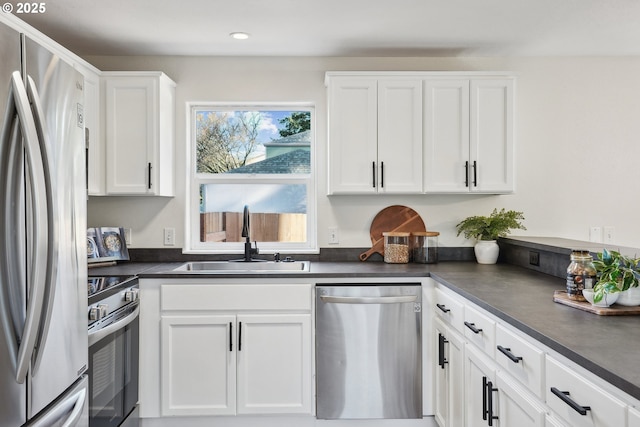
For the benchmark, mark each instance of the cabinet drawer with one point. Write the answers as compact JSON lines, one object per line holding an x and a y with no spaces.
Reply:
{"x":522,"y":360}
{"x":449,"y":308}
{"x":479,"y":330}
{"x":209,"y":296}
{"x":579,"y":393}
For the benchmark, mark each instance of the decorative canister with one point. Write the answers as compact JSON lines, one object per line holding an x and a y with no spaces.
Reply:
{"x":424,"y":246}
{"x":396,"y":247}
{"x":581,"y":274}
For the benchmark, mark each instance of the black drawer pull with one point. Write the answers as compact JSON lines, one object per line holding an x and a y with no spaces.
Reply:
{"x":511,"y":356}
{"x":443,"y":308}
{"x":487,"y":401}
{"x":230,"y":336}
{"x":473,"y":328}
{"x":564,"y":396}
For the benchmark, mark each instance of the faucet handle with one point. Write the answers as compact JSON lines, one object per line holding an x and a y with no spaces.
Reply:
{"x":255,"y":249}
{"x":276,"y":257}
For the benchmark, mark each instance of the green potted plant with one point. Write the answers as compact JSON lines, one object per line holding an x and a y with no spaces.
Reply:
{"x":617,"y":273}
{"x":487,"y":229}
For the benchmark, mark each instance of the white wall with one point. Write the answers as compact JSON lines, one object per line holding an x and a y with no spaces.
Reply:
{"x":577,"y":144}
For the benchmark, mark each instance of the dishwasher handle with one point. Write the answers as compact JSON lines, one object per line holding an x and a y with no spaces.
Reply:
{"x":368,"y":300}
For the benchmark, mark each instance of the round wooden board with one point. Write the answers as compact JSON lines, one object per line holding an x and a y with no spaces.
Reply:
{"x":391,"y":219}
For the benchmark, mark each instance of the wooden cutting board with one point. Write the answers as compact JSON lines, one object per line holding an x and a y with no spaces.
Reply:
{"x":391,"y":219}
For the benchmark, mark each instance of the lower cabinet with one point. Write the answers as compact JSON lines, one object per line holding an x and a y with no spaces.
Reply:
{"x":236,"y":364}
{"x":449,"y":378}
{"x":214,"y":348}
{"x":516,"y":383}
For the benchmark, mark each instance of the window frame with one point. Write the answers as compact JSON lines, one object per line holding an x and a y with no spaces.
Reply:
{"x":193,"y":245}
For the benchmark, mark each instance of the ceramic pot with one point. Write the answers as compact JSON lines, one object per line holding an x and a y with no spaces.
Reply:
{"x":486,"y":251}
{"x":606,"y":301}
{"x":630,"y":297}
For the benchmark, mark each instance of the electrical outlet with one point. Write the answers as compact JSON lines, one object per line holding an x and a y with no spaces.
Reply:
{"x":169,"y":236}
{"x":333,"y":236}
{"x":127,"y":236}
{"x":609,"y":232}
{"x":595,"y":234}
{"x":534,"y":258}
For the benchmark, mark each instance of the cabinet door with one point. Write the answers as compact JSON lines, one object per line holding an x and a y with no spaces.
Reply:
{"x":516,"y":406}
{"x":446,"y":136}
{"x":481,"y":408}
{"x":399,"y":136}
{"x":198,"y":365}
{"x":449,"y":378}
{"x":274,"y":364}
{"x":131,"y":105}
{"x":491,"y":135}
{"x":353,"y":140}
{"x":93,"y":137}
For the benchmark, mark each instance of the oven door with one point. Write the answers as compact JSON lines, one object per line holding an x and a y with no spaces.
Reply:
{"x":113,"y":368}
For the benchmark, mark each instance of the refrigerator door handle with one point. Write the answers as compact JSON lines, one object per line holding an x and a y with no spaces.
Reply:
{"x":39,"y":226}
{"x":70,"y":408}
{"x":50,"y":238}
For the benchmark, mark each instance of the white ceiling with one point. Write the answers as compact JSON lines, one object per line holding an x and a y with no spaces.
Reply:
{"x":344,"y":27}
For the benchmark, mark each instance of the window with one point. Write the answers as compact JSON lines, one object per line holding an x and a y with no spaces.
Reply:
{"x":261,"y":157}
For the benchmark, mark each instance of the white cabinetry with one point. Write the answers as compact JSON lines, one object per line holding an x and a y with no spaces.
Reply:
{"x":449,"y":378}
{"x":214,"y":348}
{"x":139,"y":133}
{"x":578,"y":401}
{"x":375,"y":134}
{"x":511,"y":379}
{"x":469,"y":135}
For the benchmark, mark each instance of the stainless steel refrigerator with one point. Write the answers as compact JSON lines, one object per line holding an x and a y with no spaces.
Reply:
{"x":43,"y":276}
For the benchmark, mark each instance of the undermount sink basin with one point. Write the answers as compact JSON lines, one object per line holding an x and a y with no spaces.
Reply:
{"x":240,"y":267}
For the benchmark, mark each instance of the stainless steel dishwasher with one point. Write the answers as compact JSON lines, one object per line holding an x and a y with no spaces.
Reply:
{"x":368,"y":351}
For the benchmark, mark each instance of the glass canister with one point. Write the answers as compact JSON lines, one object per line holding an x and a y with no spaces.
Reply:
{"x":581,"y":274}
{"x":424,"y":246}
{"x":396,"y":247}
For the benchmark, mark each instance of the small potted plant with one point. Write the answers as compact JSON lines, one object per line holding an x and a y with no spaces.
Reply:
{"x":617,"y":273}
{"x":487,"y":229}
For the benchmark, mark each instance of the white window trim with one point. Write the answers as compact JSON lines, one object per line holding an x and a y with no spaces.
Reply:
{"x":192,"y":213}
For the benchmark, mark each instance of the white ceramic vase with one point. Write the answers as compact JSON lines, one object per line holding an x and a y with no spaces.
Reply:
{"x":486,"y":251}
{"x":630,"y":297}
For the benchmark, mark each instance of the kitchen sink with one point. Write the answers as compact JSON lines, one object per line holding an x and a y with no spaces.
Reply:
{"x":242,"y":267}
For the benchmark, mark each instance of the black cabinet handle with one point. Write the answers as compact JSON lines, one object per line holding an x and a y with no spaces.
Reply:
{"x":443,"y":308}
{"x":381,"y":174}
{"x":511,"y":356}
{"x":475,"y":173}
{"x":373,"y":171}
{"x":466,"y":173}
{"x":239,"y":336}
{"x":564,"y":396}
{"x":441,"y":342}
{"x":472,"y":326}
{"x":149,"y":171}
{"x":230,"y":336}
{"x":487,"y":401}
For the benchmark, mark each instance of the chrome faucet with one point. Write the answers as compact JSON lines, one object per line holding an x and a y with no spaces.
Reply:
{"x":246,"y":233}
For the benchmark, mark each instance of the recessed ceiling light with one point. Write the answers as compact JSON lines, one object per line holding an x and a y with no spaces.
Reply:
{"x":239,"y":35}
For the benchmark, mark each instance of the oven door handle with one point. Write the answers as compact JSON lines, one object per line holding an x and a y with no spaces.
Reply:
{"x":368,"y":300}
{"x":96,"y":336}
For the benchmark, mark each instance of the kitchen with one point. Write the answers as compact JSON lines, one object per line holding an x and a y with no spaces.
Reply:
{"x":563,"y":120}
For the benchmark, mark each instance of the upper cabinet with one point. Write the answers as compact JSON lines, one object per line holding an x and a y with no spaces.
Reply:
{"x":469,"y":135}
{"x":375,"y":135}
{"x":139,"y":133}
{"x":92,"y":126}
{"x":420,"y":132}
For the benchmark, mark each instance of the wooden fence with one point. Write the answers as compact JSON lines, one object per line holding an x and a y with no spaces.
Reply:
{"x":265,"y":227}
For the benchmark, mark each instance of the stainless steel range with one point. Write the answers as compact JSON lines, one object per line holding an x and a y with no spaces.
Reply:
{"x":113,"y":351}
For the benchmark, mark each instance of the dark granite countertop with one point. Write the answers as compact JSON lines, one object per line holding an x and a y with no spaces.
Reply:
{"x":608,"y":346}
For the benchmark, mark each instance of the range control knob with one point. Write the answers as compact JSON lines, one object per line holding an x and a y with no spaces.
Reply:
{"x":98,"y":312}
{"x":131,"y":295}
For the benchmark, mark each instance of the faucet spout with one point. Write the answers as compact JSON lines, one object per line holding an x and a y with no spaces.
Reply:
{"x":246,"y":228}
